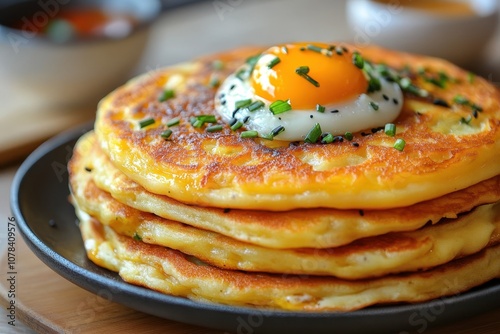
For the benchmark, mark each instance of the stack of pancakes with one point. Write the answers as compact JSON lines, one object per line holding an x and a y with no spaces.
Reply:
{"x":248,"y":221}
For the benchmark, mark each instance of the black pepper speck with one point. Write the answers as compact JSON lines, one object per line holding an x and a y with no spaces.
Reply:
{"x":440,"y":102}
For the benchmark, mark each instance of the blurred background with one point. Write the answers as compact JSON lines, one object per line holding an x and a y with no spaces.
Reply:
{"x":59,"y":57}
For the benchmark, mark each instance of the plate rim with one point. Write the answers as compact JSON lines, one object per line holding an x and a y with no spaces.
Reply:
{"x":93,"y":281}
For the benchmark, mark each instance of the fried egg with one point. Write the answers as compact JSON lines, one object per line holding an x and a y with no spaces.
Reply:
{"x":290,"y":89}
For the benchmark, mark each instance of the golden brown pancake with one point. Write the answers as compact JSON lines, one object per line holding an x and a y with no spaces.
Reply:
{"x":216,"y":217}
{"x":446,"y":150}
{"x":314,"y":228}
{"x":369,"y":257}
{"x":175,"y":273}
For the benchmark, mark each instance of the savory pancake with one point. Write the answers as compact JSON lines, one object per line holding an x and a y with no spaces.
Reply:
{"x":315,"y":228}
{"x":175,"y":273}
{"x":450,"y":124}
{"x":370,"y":257}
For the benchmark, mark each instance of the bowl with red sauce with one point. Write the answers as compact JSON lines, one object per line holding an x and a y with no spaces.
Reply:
{"x":72,"y":52}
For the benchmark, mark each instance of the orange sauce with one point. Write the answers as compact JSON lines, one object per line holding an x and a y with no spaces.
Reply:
{"x":85,"y":22}
{"x":439,"y":7}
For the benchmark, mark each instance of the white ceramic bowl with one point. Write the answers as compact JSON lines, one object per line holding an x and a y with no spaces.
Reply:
{"x":458,"y":38}
{"x":76,"y":73}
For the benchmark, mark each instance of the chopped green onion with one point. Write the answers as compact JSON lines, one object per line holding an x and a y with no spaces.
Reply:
{"x":459,"y":99}
{"x":206,"y":118}
{"x":399,"y":144}
{"x":284,"y":49}
{"x":166,"y":95}
{"x":388,"y":73}
{"x":255,"y":105}
{"x":252,"y":61}
{"x":302,"y":71}
{"x":466,"y":120}
{"x":436,"y":82}
{"x":214,"y":82}
{"x":214,"y":128}
{"x":268,"y":136}
{"x":249,"y":134}
{"x":313,"y":134}
{"x":242,"y":74}
{"x":470,"y":77}
{"x":339,"y":50}
{"x":198,"y":121}
{"x":146,"y":122}
{"x":279,"y":107}
{"x":218,"y":65}
{"x":445,"y":78}
{"x":348,"y":135}
{"x":476,"y":107}
{"x":276,"y":131}
{"x":374,"y":105}
{"x":236,"y":125}
{"x":173,"y":122}
{"x":166,"y":134}
{"x":314,"y":48}
{"x":390,"y":129}
{"x":374,"y":85}
{"x":243,"y":103}
{"x":137,"y":237}
{"x":357,"y":60}
{"x":327,"y":139}
{"x":408,"y":86}
{"x":274,"y":62}
{"x":320,"y":108}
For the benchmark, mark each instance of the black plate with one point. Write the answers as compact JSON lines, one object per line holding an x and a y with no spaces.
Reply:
{"x":39,"y":200}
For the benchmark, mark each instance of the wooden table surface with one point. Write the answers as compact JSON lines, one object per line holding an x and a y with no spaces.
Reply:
{"x":46,"y":302}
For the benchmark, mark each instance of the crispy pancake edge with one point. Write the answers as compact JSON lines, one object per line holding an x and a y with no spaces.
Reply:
{"x":187,"y":169}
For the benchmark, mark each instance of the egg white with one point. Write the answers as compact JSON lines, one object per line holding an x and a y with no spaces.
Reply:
{"x":353,"y":115}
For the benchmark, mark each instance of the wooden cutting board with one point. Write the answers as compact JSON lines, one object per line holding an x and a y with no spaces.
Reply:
{"x":23,"y":128}
{"x":48,"y":303}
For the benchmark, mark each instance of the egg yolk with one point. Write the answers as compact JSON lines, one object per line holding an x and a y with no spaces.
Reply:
{"x":307,"y":75}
